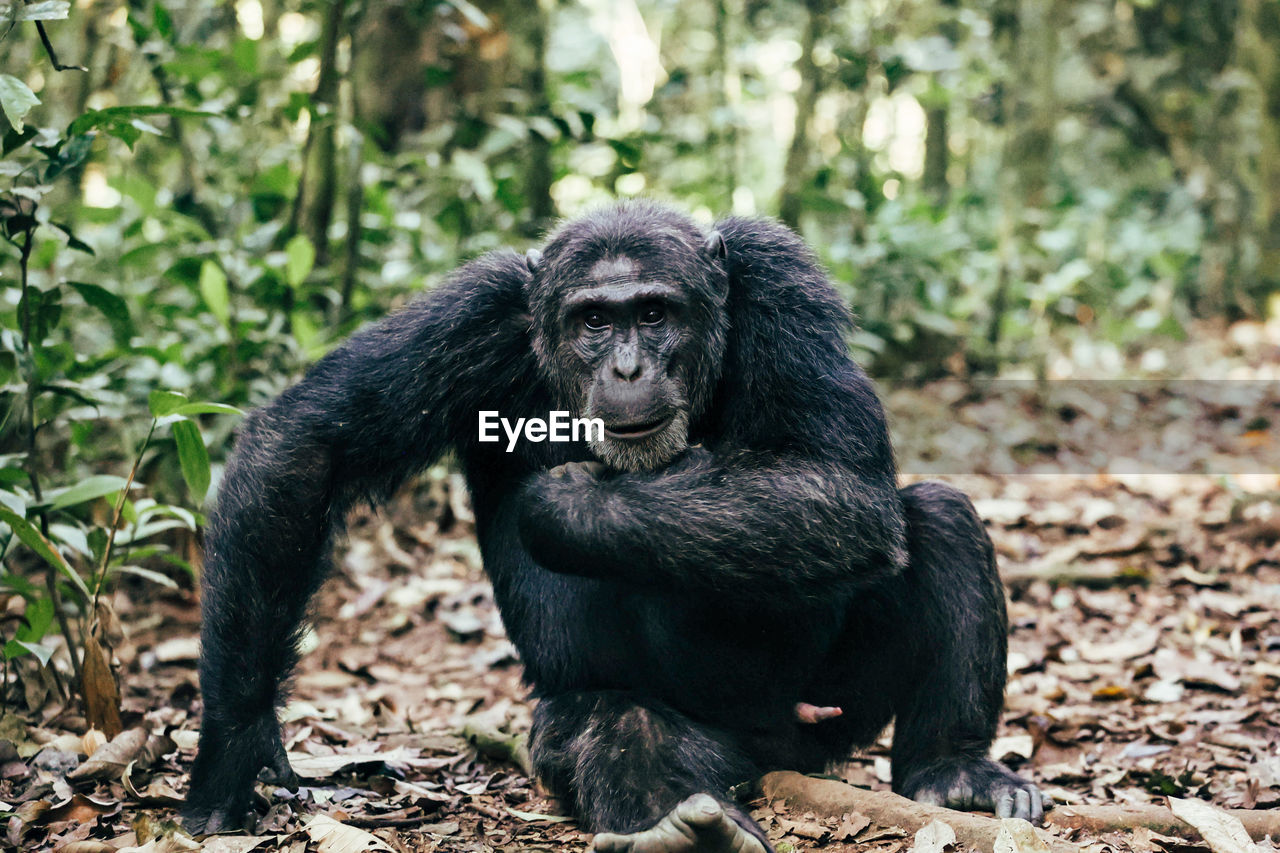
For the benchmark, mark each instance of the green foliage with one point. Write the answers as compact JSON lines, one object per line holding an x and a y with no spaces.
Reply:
{"x":74,"y":381}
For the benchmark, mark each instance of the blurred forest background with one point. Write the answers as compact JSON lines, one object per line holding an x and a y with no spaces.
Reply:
{"x":199,"y":198}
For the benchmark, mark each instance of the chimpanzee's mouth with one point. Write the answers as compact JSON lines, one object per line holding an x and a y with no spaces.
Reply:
{"x":634,"y":432}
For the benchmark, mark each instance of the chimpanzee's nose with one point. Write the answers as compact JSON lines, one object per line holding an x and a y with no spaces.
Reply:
{"x":626,"y":362}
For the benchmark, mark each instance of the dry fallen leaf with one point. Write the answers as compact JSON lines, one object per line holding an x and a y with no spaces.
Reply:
{"x":111,"y":759}
{"x":850,"y":825}
{"x":321,"y":766}
{"x":79,"y":809}
{"x":334,"y":837}
{"x":534,"y":816}
{"x":1018,"y":836}
{"x":1224,"y":833}
{"x":1135,"y":645}
{"x":934,"y":837}
{"x":234,"y":844}
{"x":173,"y":842}
{"x":177,"y":649}
{"x":87,"y":846}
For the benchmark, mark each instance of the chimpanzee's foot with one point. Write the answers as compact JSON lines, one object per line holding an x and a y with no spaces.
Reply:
{"x":976,"y":785}
{"x":228,"y":762}
{"x":697,"y":825}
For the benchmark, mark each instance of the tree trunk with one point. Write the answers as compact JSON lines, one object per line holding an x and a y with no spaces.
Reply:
{"x":731,"y":92}
{"x":937,"y":104}
{"x":936,"y":155}
{"x":1028,"y":152}
{"x":322,"y":169}
{"x":1258,"y":48}
{"x":541,"y":172}
{"x":796,"y":172}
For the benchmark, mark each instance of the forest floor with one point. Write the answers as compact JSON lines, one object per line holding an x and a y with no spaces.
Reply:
{"x":1144,"y":664}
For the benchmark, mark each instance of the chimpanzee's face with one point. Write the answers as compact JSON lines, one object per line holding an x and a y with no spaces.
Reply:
{"x":626,"y":334}
{"x":630,"y":326}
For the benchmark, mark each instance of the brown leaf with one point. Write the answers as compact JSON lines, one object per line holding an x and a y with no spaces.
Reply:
{"x":322,"y":766}
{"x":1224,"y":833}
{"x":1018,"y":836}
{"x":334,"y":837}
{"x":87,"y":846}
{"x":109,"y":761}
{"x":1138,"y":643}
{"x":850,"y":825}
{"x":101,"y":695}
{"x":234,"y":844}
{"x":79,"y":809}
{"x":934,"y":837}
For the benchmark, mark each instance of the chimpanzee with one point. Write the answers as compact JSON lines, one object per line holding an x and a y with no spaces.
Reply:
{"x":728,"y":580}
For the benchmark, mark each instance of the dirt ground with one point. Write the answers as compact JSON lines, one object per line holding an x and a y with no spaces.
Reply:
{"x":1144,"y":663}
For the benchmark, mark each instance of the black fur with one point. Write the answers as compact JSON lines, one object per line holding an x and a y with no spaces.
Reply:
{"x":670,"y":619}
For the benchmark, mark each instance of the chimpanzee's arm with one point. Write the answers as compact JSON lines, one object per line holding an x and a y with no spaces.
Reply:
{"x":379,"y":408}
{"x":747,"y":527}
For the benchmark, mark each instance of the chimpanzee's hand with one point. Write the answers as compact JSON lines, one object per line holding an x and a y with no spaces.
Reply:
{"x":552,"y":505}
{"x":976,"y":784}
{"x":564,"y":510}
{"x":230,"y":759}
{"x":581,"y":473}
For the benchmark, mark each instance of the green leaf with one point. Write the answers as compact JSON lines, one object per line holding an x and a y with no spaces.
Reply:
{"x":300,"y":257}
{"x":17,"y":648}
{"x":46,"y":10}
{"x":164,"y":403}
{"x":150,"y":574}
{"x":213,"y":287}
{"x":73,"y":241}
{"x":193,"y":458}
{"x":33,"y":539}
{"x":16,"y":99}
{"x":124,"y":131}
{"x":111,"y":305}
{"x":74,"y":152}
{"x":38,"y":618}
{"x":115,"y":117}
{"x":13,"y":140}
{"x":206,"y":409}
{"x":71,"y":536}
{"x":20,"y":585}
{"x":89,"y":489}
{"x":45,"y":309}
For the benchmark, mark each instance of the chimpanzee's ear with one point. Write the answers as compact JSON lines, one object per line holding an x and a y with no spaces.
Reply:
{"x":714,"y":247}
{"x":532,"y":258}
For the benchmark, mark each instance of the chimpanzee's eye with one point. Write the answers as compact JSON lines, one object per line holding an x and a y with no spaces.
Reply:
{"x":653,"y":315}
{"x":595,"y":321}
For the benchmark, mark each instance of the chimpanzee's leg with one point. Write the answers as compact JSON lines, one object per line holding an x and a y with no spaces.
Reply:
{"x":929,"y":645}
{"x":948,"y":703}
{"x":645,"y":777}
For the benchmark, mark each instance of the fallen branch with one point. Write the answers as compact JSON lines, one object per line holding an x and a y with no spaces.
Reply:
{"x":829,"y":798}
{"x":1259,"y":823}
